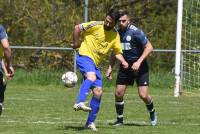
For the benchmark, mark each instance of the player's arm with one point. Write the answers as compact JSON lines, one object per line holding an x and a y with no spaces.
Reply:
{"x":118,"y":52}
{"x":148,"y":48}
{"x":111,"y":65}
{"x":7,"y":55}
{"x":122,"y":60}
{"x":76,"y":37}
{"x":112,"y":62}
{"x":8,"y":76}
{"x":83,"y":27}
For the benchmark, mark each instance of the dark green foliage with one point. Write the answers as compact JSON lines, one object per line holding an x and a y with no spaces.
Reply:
{"x":50,"y":23}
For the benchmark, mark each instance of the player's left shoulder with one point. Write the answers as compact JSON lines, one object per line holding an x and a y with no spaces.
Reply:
{"x":133,"y":27}
{"x":2,"y":29}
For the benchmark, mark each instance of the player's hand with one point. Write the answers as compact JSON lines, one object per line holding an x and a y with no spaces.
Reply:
{"x":8,"y":76}
{"x":11,"y":71}
{"x":125,"y":65}
{"x":109,"y":73}
{"x":75,"y":46}
{"x":136,"y":66}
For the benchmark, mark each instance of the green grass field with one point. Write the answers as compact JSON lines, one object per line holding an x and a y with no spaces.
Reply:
{"x":37,"y":103}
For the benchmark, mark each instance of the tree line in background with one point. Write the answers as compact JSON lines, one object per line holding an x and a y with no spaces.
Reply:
{"x":51,"y":22}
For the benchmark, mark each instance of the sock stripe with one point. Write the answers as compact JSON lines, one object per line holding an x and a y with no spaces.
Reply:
{"x":152,"y":110}
{"x":120,"y":116}
{"x":119,"y":103}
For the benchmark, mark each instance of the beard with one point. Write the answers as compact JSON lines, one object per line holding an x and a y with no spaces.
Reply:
{"x":123,"y":28}
{"x":107,"y":28}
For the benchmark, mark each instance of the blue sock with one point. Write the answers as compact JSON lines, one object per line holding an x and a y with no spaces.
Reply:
{"x":84,"y":89}
{"x":94,"y":104}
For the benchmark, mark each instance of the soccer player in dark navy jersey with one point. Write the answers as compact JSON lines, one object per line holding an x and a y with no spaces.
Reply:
{"x":136,"y":48}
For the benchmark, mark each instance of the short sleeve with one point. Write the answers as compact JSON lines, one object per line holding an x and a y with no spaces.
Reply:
{"x":117,"y":45}
{"x":3,"y":34}
{"x":141,"y":38}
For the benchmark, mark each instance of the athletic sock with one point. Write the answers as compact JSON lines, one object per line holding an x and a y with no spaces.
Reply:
{"x":94,"y":104}
{"x":119,"y":109}
{"x":84,"y":89}
{"x":150,"y":107}
{"x":2,"y":91}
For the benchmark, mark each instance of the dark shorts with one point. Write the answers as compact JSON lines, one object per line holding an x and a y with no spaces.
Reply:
{"x":128,"y":76}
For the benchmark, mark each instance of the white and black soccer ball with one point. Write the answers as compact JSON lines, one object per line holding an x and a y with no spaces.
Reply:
{"x":69,"y":79}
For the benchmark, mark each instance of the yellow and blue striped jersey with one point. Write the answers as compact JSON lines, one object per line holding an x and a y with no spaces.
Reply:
{"x":97,"y":42}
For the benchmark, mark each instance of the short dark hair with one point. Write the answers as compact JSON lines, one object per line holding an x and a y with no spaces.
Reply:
{"x":114,"y":14}
{"x":123,"y":12}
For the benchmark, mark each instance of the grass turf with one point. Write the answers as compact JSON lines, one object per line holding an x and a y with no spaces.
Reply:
{"x":38,"y":108}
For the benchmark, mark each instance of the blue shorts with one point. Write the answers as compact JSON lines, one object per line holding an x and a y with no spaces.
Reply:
{"x":86,"y":64}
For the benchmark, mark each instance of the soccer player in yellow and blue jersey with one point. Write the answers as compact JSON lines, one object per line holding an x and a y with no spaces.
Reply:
{"x":5,"y":51}
{"x":98,"y":39}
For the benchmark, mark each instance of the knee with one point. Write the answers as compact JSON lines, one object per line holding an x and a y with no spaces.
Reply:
{"x":144,"y":97}
{"x":92,"y":77}
{"x":119,"y":95}
{"x":97,"y":92}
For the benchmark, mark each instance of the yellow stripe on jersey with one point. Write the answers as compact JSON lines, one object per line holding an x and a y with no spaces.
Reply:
{"x":1,"y":51}
{"x":97,"y":42}
{"x":90,"y":25}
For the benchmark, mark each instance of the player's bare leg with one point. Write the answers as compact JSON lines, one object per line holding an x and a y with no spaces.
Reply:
{"x":119,"y":104}
{"x":143,"y":92}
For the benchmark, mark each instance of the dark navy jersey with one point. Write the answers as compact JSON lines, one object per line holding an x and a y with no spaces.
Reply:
{"x":2,"y":32}
{"x":133,"y":41}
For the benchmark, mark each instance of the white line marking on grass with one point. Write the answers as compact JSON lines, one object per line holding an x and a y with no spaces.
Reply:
{"x":25,"y":99}
{"x":104,"y":122}
{"x":135,"y":94}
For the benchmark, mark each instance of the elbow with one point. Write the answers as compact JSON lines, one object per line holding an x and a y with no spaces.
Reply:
{"x":77,"y":29}
{"x":76,"y":37}
{"x":150,"y":47}
{"x":7,"y":49}
{"x":76,"y":32}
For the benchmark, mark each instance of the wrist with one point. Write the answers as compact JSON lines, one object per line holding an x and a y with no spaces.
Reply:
{"x":139,"y":61}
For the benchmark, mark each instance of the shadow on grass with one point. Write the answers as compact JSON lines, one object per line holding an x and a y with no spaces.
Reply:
{"x":74,"y":128}
{"x":81,"y":128}
{"x":137,"y":124}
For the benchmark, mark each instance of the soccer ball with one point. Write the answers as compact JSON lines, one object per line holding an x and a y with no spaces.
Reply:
{"x":69,"y":79}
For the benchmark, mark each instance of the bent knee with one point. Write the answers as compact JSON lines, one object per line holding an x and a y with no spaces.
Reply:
{"x":91,"y":76}
{"x":97,"y":92}
{"x":119,"y":94}
{"x":144,"y":96}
